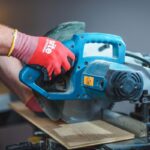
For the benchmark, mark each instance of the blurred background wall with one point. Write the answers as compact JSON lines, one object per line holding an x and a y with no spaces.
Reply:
{"x":127,"y":18}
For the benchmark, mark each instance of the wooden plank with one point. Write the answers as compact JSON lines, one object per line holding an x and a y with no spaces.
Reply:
{"x":76,"y":135}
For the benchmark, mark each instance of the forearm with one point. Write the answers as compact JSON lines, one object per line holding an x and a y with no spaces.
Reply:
{"x":6,"y":36}
{"x":9,"y":72}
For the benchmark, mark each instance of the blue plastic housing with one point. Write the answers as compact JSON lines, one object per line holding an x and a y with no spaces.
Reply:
{"x":75,"y":89}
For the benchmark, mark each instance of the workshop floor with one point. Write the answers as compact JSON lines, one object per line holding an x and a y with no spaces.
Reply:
{"x":14,"y":134}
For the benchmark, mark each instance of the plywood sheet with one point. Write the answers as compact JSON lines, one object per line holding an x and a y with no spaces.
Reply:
{"x":76,"y":135}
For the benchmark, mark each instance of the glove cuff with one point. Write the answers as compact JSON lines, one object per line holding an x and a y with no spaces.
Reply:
{"x":33,"y":105}
{"x":25,"y":46}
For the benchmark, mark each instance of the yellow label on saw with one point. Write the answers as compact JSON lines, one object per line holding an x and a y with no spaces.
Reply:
{"x":88,"y":80}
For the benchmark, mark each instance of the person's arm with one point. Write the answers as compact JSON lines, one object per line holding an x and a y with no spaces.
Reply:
{"x":9,"y":72}
{"x":6,"y":36}
{"x":43,"y":51}
{"x":9,"y":75}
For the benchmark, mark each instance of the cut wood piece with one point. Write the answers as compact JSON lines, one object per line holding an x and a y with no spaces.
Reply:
{"x":76,"y":135}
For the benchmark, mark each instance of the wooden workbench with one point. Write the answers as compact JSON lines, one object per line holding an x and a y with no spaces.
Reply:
{"x":74,"y":135}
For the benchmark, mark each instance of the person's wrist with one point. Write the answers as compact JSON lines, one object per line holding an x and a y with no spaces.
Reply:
{"x":11,"y":49}
{"x":25,"y":46}
{"x":6,"y":37}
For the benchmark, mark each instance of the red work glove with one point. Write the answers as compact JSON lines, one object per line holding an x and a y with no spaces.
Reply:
{"x":33,"y":105}
{"x":52,"y":55}
{"x":43,"y":51}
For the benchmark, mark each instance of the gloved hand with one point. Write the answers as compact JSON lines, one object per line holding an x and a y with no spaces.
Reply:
{"x":52,"y":55}
{"x":43,"y":51}
{"x":33,"y":105}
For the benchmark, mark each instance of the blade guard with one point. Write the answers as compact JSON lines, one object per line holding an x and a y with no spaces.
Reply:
{"x":75,"y":89}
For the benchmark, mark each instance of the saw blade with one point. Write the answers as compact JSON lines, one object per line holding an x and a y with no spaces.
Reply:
{"x":73,"y":111}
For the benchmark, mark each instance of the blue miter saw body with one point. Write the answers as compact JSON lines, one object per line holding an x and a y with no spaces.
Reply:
{"x":94,"y":75}
{"x":99,"y":72}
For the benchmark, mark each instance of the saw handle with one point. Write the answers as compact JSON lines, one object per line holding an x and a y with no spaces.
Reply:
{"x":44,"y":71}
{"x":76,"y":45}
{"x":29,"y":76}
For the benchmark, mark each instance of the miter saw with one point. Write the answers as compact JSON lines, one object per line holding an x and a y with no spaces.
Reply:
{"x":103,"y":73}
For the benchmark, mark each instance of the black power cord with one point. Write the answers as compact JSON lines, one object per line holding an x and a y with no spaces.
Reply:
{"x":146,"y":63}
